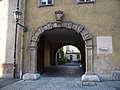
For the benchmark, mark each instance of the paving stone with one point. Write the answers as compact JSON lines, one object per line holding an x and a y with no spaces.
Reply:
{"x":53,"y":83}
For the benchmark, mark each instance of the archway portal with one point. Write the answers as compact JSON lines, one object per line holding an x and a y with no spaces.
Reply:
{"x":50,"y":37}
{"x":69,"y":55}
{"x":50,"y":41}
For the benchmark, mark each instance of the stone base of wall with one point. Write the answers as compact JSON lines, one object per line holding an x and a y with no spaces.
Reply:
{"x":6,"y":70}
{"x":4,"y":75}
{"x":115,"y":75}
{"x":105,"y":77}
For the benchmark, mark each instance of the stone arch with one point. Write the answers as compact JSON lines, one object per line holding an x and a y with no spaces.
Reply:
{"x":87,"y":38}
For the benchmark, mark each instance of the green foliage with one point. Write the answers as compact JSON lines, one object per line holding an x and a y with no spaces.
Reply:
{"x":68,"y":60}
{"x":62,"y":53}
{"x":63,"y":60}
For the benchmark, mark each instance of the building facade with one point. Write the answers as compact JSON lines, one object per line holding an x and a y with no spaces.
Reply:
{"x":90,"y":25}
{"x":72,"y":53}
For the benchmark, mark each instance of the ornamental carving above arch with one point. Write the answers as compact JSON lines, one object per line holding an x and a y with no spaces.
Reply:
{"x":68,"y":25}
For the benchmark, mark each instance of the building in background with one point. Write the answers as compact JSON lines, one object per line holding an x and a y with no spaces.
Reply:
{"x":93,"y":26}
{"x":72,"y":53}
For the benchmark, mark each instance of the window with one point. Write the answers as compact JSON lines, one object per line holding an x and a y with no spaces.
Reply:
{"x":71,"y":57}
{"x":85,"y":1}
{"x":45,"y":2}
{"x":78,"y":56}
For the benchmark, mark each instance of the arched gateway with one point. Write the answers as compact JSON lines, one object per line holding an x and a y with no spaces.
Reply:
{"x":87,"y":38}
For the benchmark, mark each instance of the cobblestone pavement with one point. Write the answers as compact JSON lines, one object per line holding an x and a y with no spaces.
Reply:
{"x":4,"y":82}
{"x":112,"y":83}
{"x":63,"y":71}
{"x":54,"y":83}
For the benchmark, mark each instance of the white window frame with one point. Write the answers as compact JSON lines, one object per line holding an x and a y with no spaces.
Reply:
{"x":47,"y":4}
{"x":85,"y":1}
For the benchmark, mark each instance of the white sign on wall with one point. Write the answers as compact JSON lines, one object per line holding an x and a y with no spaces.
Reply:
{"x":0,"y":49}
{"x":104,"y":44}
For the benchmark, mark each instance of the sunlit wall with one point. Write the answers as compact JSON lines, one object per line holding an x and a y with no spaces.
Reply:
{"x":3,"y":32}
{"x":7,"y":28}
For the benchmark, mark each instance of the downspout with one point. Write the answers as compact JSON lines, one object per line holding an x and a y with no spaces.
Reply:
{"x":23,"y":7}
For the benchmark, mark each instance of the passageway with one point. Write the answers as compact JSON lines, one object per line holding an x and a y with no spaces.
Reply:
{"x":49,"y":43}
{"x":67,"y":70}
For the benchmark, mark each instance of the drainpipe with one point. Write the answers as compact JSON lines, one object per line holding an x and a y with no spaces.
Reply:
{"x":23,"y":6}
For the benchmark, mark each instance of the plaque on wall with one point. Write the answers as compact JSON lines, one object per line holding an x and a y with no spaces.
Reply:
{"x":0,"y":48}
{"x":104,"y":45}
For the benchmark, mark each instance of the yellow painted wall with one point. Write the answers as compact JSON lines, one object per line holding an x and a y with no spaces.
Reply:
{"x":100,"y":19}
{"x":46,"y":54}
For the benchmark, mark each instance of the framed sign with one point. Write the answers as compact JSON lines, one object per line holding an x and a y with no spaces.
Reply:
{"x":104,"y":45}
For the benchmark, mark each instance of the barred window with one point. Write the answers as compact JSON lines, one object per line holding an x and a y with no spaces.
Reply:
{"x":46,"y":2}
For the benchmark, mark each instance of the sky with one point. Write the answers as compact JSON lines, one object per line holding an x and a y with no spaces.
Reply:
{"x":71,"y":48}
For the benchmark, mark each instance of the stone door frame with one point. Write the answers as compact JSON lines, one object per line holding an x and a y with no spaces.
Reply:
{"x":87,"y":38}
